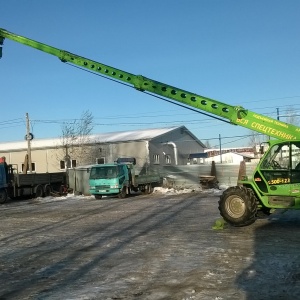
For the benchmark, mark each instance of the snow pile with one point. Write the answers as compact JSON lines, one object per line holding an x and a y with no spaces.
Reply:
{"x":157,"y":190}
{"x":174,"y":191}
{"x":177,"y":191}
{"x":68,"y":197}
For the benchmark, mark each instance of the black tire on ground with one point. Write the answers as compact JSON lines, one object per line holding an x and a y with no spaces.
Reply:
{"x":39,"y":192}
{"x":238,"y":206}
{"x":147,"y":189}
{"x":122,"y":194}
{"x":3,"y":196}
{"x":47,"y":190}
{"x":98,"y":197}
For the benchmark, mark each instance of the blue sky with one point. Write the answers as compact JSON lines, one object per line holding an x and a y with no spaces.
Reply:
{"x":237,"y":52}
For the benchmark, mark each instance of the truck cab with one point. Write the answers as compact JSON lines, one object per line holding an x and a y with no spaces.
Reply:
{"x":110,"y":179}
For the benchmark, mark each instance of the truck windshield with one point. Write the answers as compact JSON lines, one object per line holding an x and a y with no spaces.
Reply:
{"x":103,"y":172}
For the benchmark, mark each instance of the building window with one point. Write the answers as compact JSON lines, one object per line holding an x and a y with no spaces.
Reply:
{"x":168,"y":159}
{"x":62,"y":164}
{"x":100,"y":161}
{"x":156,"y":158}
{"x":32,"y":167}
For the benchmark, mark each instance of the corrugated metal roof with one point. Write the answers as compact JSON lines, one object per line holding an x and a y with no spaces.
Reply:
{"x":133,"y":135}
{"x":110,"y":137}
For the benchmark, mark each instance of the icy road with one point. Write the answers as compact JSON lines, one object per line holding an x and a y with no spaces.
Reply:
{"x":145,"y":247}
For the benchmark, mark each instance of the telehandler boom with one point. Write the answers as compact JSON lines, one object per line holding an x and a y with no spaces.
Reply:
{"x":275,"y":183}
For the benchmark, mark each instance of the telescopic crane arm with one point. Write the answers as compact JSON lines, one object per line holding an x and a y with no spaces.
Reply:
{"x":236,"y":115}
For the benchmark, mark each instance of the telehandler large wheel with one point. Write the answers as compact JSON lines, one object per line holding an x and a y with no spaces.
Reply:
{"x":237,"y":206}
{"x":3,"y":196}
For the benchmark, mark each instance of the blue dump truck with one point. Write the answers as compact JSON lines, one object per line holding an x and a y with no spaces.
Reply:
{"x":14,"y":185}
{"x":119,"y":179}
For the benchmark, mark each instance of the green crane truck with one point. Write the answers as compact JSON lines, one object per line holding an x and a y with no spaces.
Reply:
{"x":275,"y":183}
{"x":119,"y":178}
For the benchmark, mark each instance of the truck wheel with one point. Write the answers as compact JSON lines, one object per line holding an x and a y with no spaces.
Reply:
{"x":147,"y":189}
{"x":122,"y":194}
{"x":62,"y":190}
{"x":98,"y":197}
{"x":237,"y":206}
{"x":39,"y":192}
{"x":3,"y":196}
{"x":150,"y":189}
{"x":47,"y":190}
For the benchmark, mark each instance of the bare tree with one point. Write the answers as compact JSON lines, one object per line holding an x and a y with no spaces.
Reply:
{"x":255,"y":141}
{"x":257,"y":138}
{"x":76,"y":139}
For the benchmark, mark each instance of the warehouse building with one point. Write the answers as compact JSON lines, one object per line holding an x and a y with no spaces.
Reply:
{"x":151,"y":147}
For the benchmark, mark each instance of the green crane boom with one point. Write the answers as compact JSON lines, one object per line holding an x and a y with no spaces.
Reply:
{"x":236,"y":115}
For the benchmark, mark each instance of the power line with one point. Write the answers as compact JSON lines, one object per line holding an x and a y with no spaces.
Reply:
{"x":12,"y":121}
{"x":272,"y":99}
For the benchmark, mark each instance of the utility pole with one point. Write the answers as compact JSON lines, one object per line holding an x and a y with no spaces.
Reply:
{"x":220,"y":148}
{"x":28,"y":138}
{"x":277,"y":113}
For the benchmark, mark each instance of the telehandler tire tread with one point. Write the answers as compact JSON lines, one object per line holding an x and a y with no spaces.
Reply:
{"x":238,"y":206}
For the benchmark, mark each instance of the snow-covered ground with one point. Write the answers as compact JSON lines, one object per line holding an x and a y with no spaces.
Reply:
{"x":144,"y":247}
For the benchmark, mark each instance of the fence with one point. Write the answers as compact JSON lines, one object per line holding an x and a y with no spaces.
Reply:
{"x":182,"y":176}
